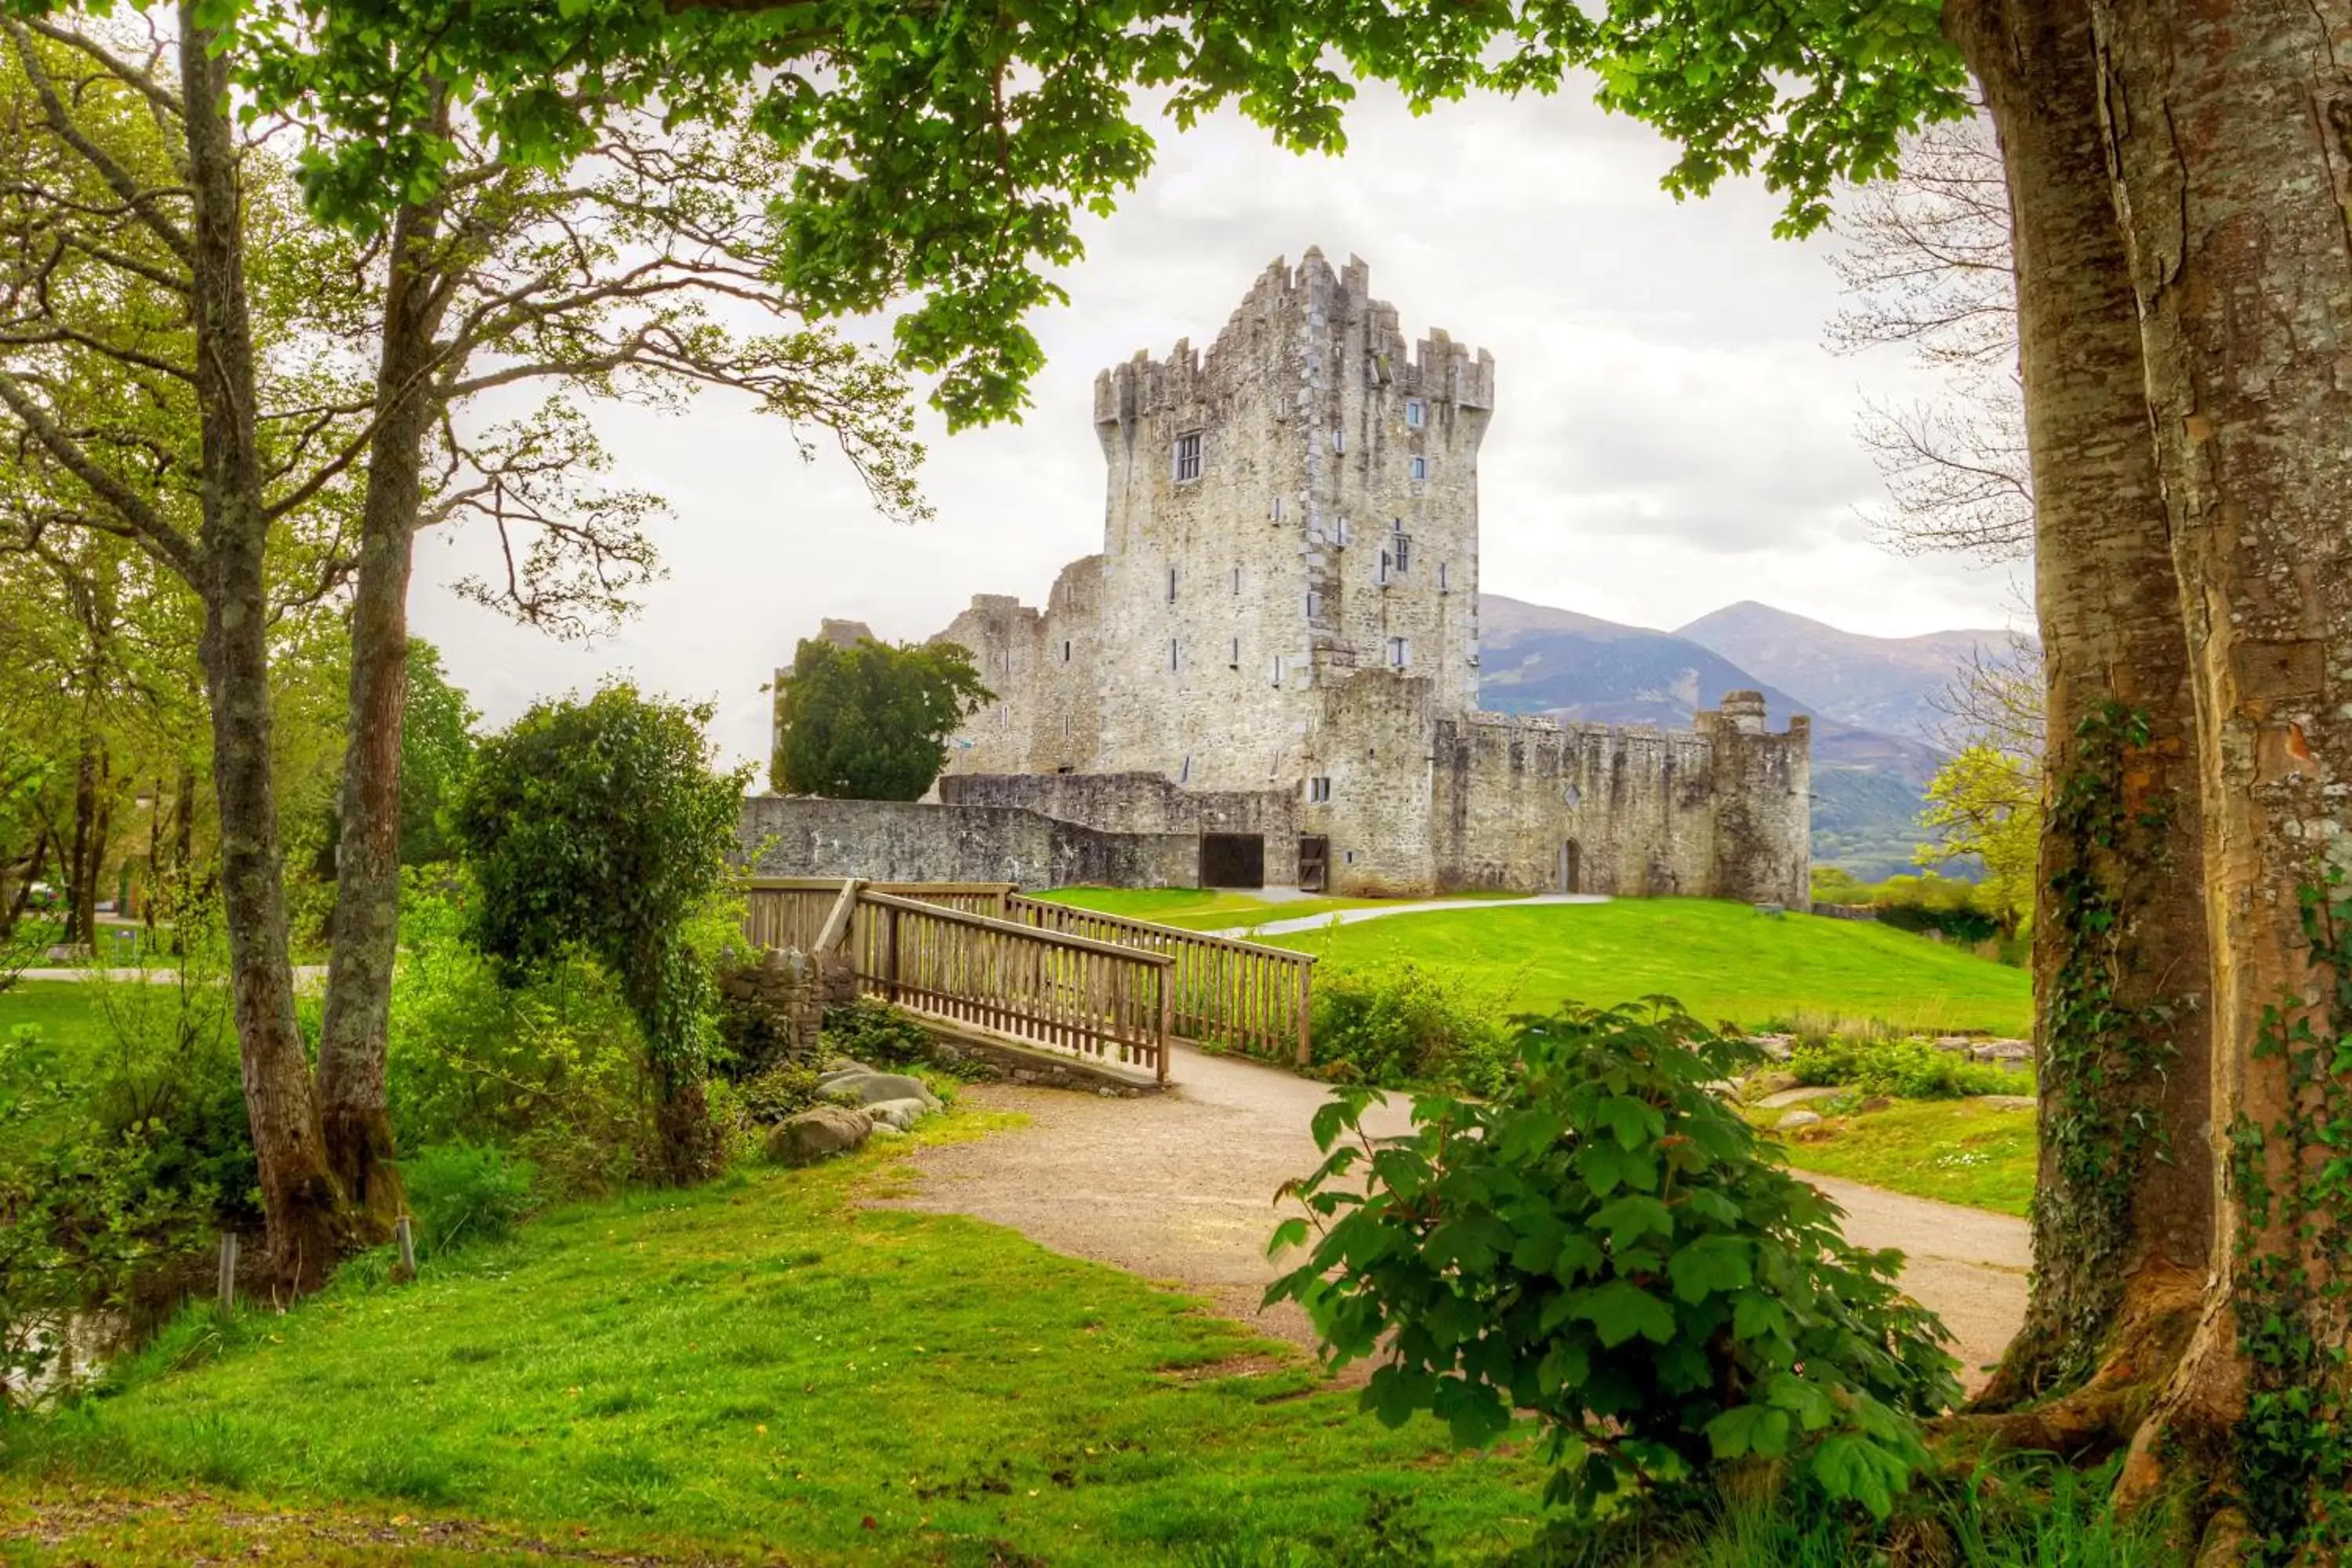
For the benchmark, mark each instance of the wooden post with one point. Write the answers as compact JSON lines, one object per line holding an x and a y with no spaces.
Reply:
{"x":1306,"y":1014}
{"x":1166,"y":977}
{"x":403,"y":1231}
{"x":228,"y":1271}
{"x":890,"y":955}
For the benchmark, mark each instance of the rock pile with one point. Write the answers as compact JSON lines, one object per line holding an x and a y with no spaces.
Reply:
{"x":860,"y":1102}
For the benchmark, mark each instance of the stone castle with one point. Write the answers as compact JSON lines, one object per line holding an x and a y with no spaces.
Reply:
{"x":1277,"y":649}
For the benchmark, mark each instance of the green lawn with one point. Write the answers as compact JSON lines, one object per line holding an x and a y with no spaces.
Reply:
{"x":1958,"y":1151}
{"x":764,"y":1363}
{"x":61,"y":1009}
{"x":1197,"y":908}
{"x":1724,"y":960}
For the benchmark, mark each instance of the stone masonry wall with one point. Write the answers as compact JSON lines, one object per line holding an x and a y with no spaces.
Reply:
{"x":1143,"y":804}
{"x":914,"y":841}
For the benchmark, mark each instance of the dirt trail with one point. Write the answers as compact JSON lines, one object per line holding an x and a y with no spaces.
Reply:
{"x":1180,"y":1187}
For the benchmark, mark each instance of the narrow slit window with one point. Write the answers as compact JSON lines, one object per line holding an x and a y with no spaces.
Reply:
{"x":1419,"y":467}
{"x":1233,"y":658}
{"x":1381,"y":576}
{"x":1339,"y":439}
{"x":1277,"y":509}
{"x":1237,"y":579}
{"x":1416,"y":413}
{"x":1171,"y":654}
{"x":1065,"y":650}
{"x":1400,"y":547}
{"x":1399,"y":652}
{"x":1318,"y":791}
{"x":1346,"y":534}
{"x":1442,"y":583}
{"x":1172,"y":585}
{"x":1188,"y":455}
{"x":1314,"y":606}
{"x":1274,"y":670}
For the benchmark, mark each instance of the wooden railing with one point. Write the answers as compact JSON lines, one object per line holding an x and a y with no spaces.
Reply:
{"x":1067,"y":992}
{"x":1241,"y":994}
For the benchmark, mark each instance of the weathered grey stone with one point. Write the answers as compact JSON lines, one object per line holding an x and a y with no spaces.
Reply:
{"x":1799,"y":1096}
{"x":1760,"y":1085}
{"x":818,"y":1133}
{"x":2007,"y":1101}
{"x":1779,"y":1047}
{"x":883,"y":1129}
{"x":901,"y":1114}
{"x":2007,"y":1052}
{"x":836,"y":1066}
{"x":1955,"y":1043}
{"x":1799,"y":1119}
{"x":873,"y":1088}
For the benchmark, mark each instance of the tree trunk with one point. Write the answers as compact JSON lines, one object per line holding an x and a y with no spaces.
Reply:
{"x":308,"y":1227}
{"x":2122,"y":1216}
{"x":364,"y":937}
{"x":2228,"y":131}
{"x":81,"y":868}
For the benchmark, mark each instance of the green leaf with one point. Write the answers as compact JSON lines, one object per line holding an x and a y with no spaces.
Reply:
{"x":1710,"y":1264}
{"x":1620,"y":1309}
{"x":1631,"y":1217}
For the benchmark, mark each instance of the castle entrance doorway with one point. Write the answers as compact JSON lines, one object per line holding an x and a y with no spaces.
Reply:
{"x":1571,"y":867}
{"x":1232,"y":860}
{"x":1313,"y":863}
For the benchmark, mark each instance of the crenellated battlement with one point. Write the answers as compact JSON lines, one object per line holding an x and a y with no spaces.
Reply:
{"x":1294,"y":324}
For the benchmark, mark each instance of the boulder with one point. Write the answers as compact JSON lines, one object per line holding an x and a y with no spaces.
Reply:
{"x":868,"y":1088}
{"x":840,"y":1065}
{"x":900,"y":1115}
{"x":2007,"y":1101}
{"x":1954,"y":1043}
{"x":1798,"y":1096}
{"x":2008,"y":1053}
{"x":818,"y":1133}
{"x":1761,"y":1084}
{"x":883,"y":1133}
{"x":1776,"y":1047}
{"x":1796,"y":1118}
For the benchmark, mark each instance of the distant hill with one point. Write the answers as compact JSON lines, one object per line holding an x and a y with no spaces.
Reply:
{"x":1867,"y":782}
{"x":1887,"y":684}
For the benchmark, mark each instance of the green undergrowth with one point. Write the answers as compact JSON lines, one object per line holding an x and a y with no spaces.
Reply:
{"x":1956,"y":1151}
{"x":1724,"y":960}
{"x":764,"y":1362}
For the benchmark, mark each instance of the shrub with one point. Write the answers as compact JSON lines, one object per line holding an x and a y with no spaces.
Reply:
{"x":465,"y":1193}
{"x":1409,"y":1024}
{"x":549,"y":1067}
{"x":876,"y":1034}
{"x":1912,"y":1068}
{"x":1608,"y":1246}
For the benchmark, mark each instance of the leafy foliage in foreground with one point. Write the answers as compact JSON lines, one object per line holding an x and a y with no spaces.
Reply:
{"x":1607,"y":1244}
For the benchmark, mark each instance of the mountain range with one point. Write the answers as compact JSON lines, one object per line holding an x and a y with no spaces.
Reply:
{"x":1873,"y":701}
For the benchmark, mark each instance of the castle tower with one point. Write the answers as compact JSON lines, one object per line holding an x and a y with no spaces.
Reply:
{"x":1296,"y":506}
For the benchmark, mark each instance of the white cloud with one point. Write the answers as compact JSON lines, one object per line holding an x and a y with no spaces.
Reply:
{"x":1669,"y":435}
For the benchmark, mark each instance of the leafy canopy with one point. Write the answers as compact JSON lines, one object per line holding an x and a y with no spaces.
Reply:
{"x":1608,"y":1244}
{"x":870,"y":722}
{"x":948,"y":150}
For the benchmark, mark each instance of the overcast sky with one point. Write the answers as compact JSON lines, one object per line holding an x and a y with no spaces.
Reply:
{"x":1669,"y":434}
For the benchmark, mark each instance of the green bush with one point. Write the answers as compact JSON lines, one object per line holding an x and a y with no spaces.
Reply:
{"x":1409,"y":1024}
{"x":550,"y":1066}
{"x":1608,"y":1245}
{"x":1911,"y":1069}
{"x":465,"y":1193}
{"x":876,"y":1034}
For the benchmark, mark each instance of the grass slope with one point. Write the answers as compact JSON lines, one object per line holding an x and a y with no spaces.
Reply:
{"x":765,"y":1362}
{"x":1958,"y":1150}
{"x":1724,"y":960}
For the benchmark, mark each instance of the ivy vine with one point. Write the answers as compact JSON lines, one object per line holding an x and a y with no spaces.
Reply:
{"x":2295,"y":1444}
{"x":2103,"y":1045}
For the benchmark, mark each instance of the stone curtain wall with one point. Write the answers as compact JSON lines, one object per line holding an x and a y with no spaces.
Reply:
{"x":1722,"y":811}
{"x":914,"y":841}
{"x":1145,"y":804}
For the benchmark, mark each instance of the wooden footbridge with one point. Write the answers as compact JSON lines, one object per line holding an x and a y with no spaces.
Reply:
{"x":981,"y":955}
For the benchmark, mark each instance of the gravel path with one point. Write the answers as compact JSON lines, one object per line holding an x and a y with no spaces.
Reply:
{"x":1180,"y":1186}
